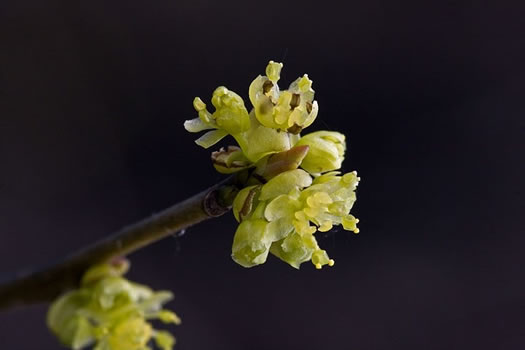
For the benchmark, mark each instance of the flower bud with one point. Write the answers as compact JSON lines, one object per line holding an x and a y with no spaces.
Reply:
{"x":245,"y":202}
{"x":280,"y":162}
{"x":230,"y":160}
{"x":116,"y":268}
{"x":327,"y":150}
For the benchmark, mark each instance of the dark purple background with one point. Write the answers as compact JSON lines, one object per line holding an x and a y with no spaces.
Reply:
{"x":93,"y":95}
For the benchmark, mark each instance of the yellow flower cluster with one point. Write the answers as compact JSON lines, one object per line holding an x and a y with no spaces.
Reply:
{"x":293,"y":190}
{"x":111,"y":312}
{"x":282,"y":216}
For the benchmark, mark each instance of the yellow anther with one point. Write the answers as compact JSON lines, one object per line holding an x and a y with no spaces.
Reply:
{"x":318,"y":266}
{"x":331,"y":262}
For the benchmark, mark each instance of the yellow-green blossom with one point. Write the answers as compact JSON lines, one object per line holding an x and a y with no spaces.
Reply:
{"x":281,"y":207}
{"x":273,"y":124}
{"x":111,"y":313}
{"x":319,"y":207}
{"x":327,"y":151}
{"x":283,"y":215}
{"x":230,"y":117}
{"x":251,"y":243}
{"x":289,"y":110}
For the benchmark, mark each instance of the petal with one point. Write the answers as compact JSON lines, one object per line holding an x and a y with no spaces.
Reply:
{"x":285,"y":182}
{"x":260,"y":141}
{"x":167,"y":316}
{"x":164,"y":340}
{"x":279,"y":229}
{"x":281,"y":206}
{"x":196,"y":125}
{"x":292,"y":250}
{"x":210,"y":138}
{"x":62,"y":316}
{"x":250,"y":245}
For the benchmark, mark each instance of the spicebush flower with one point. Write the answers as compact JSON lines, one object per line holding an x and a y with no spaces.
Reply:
{"x":111,"y":312}
{"x":254,"y":132}
{"x":230,"y":117}
{"x":281,"y":206}
{"x":288,"y":110}
{"x":327,"y":151}
{"x":282,"y":216}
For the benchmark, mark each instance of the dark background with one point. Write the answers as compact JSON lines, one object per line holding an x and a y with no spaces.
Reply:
{"x":93,"y":95}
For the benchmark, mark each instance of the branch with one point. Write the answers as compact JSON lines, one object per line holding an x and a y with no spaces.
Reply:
{"x":48,"y":283}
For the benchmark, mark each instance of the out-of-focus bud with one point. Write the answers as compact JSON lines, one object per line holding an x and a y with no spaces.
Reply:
{"x":130,"y":333}
{"x":327,"y":151}
{"x":111,"y":312}
{"x":229,"y":160}
{"x":116,"y":268}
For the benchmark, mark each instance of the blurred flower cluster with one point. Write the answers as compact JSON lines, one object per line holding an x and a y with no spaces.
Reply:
{"x":293,"y":188}
{"x":111,"y":312}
